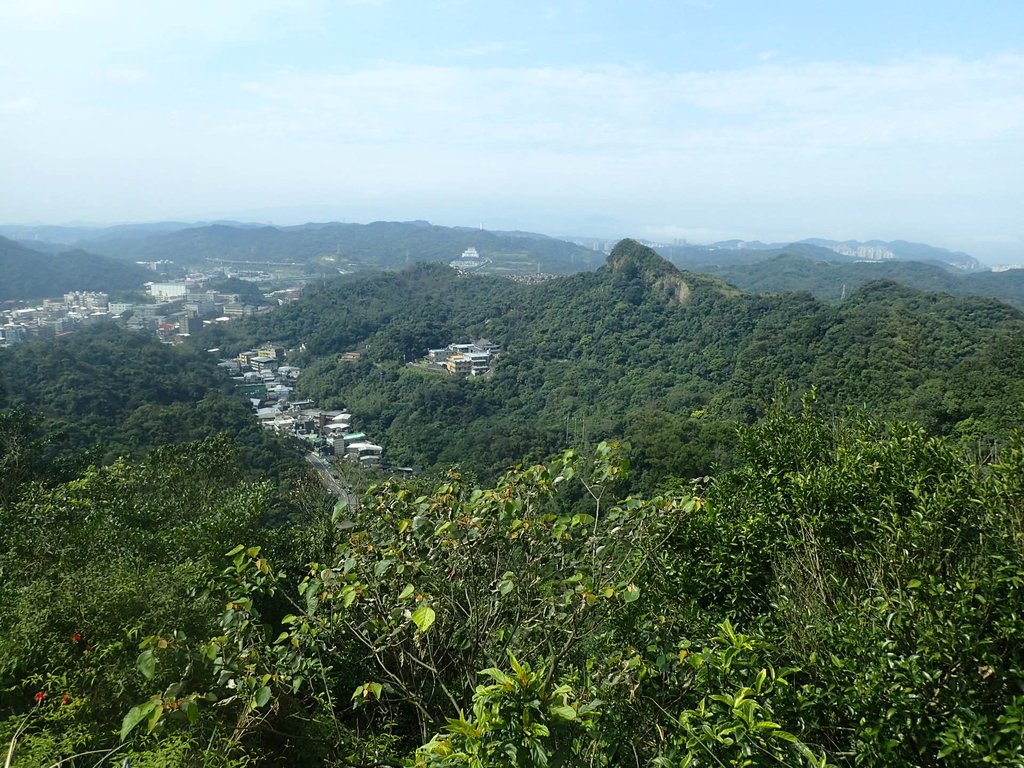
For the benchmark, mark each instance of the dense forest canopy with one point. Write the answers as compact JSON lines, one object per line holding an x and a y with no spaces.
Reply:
{"x":849,"y":594}
{"x":668,"y":359}
{"x":740,"y":530}
{"x":106,"y":391}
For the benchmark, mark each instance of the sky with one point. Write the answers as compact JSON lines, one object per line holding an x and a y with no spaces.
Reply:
{"x":691,"y":119}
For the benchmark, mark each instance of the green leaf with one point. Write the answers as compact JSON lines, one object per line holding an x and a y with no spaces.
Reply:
{"x":154,"y":716}
{"x":564,"y":712}
{"x":136,"y":715}
{"x":235,"y":551}
{"x":262,"y":697}
{"x":632,"y":593}
{"x":348,"y":596}
{"x":407,"y":592}
{"x":191,"y":710}
{"x":423,"y":617}
{"x":496,"y":674}
{"x":146,"y":664}
{"x":461,"y":727}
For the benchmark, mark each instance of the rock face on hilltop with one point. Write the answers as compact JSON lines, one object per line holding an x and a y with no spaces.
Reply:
{"x":633,"y":259}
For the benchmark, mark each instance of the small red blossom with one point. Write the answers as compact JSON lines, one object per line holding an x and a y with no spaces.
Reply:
{"x":77,"y":637}
{"x":40,"y":696}
{"x":65,"y":699}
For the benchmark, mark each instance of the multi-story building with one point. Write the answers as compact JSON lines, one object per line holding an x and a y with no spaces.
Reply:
{"x":168,"y":290}
{"x":473,"y":359}
{"x":86,"y":300}
{"x":12,"y":334}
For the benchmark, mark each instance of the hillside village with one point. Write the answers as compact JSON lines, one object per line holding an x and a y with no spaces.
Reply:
{"x":262,"y":377}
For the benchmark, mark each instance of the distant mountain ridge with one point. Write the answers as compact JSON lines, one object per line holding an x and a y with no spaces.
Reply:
{"x":226,"y":239}
{"x":378,"y":245}
{"x":788,"y":272}
{"x":733,"y":252}
{"x":40,"y":235}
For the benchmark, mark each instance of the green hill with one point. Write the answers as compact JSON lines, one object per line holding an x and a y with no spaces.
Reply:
{"x":106,"y":391}
{"x":833,"y":279}
{"x":669,"y":359}
{"x":29,"y":274}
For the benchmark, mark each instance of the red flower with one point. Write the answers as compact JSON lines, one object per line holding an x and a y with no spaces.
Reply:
{"x":76,"y":638}
{"x":40,"y":696}
{"x":65,"y":699}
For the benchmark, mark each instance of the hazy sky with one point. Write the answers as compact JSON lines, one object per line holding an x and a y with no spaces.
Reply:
{"x":703,"y":119}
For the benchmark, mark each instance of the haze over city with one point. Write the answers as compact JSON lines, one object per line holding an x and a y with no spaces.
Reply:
{"x":701,"y":120}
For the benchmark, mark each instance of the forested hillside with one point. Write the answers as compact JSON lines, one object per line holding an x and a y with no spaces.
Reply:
{"x":30,"y":274}
{"x":106,"y":391}
{"x":669,"y":360}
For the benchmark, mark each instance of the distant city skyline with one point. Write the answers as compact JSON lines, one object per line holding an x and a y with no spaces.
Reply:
{"x":699,"y":119}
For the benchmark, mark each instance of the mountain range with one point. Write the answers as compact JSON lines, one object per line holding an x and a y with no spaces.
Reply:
{"x":326,"y":246}
{"x":734,"y":252}
{"x":48,"y":260}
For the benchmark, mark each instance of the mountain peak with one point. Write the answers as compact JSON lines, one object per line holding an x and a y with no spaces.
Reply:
{"x":633,"y":259}
{"x":629,"y":254}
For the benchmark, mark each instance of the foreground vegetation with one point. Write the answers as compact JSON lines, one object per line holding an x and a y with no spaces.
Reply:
{"x":850,"y":594}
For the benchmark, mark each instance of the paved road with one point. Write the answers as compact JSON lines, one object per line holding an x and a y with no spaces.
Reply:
{"x":330,"y":479}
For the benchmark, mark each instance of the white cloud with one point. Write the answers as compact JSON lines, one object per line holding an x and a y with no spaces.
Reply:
{"x":806,"y":109}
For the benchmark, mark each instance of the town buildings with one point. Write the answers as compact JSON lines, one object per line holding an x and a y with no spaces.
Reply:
{"x":472,"y":359}
{"x":262,"y":377}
